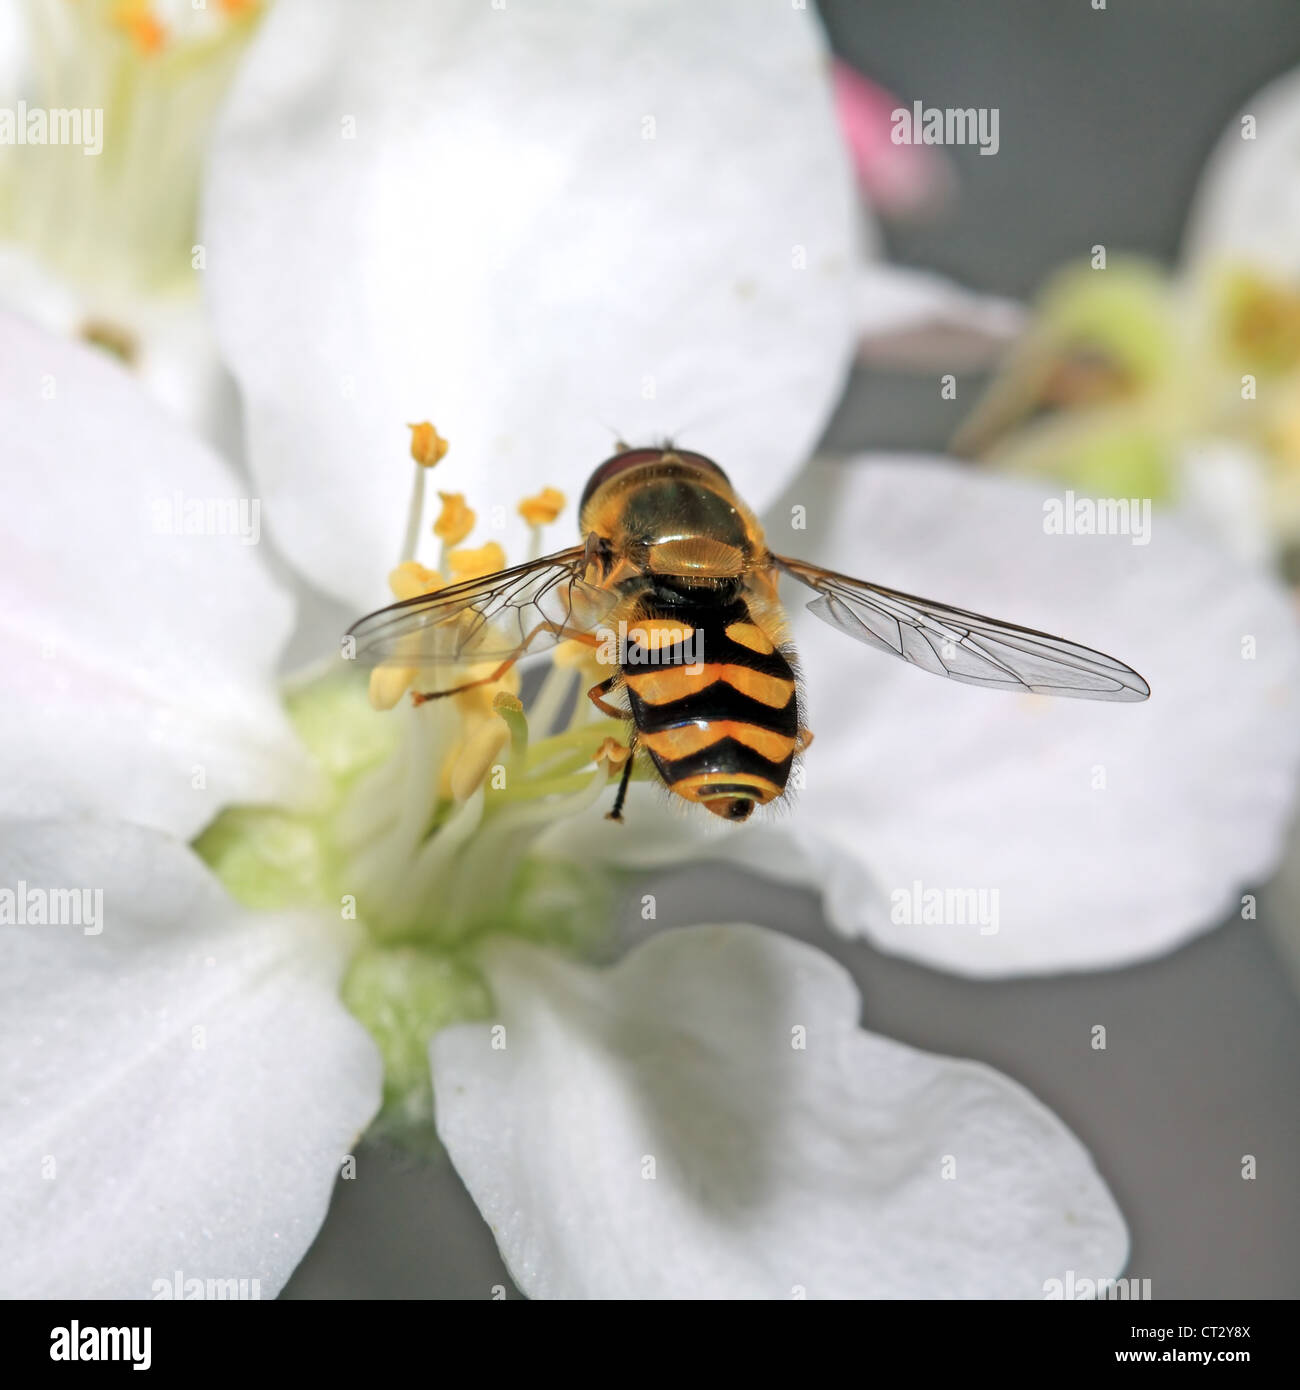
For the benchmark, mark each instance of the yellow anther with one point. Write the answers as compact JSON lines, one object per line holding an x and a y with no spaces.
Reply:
{"x":410,"y":579}
{"x":455,"y":521}
{"x":427,"y":445}
{"x":503,"y":702}
{"x":390,"y":680}
{"x":542,"y":509}
{"x":474,"y":564}
{"x":477,"y":753}
{"x":388,"y":683}
{"x":137,"y":21}
{"x":613,"y":753}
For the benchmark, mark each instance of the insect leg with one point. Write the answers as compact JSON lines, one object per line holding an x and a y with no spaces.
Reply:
{"x":595,"y":693}
{"x":617,"y":813}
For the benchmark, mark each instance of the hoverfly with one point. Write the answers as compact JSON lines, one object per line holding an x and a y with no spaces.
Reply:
{"x":673,"y":559}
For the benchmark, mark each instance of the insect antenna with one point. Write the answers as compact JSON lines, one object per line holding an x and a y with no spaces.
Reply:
{"x":621,"y":446}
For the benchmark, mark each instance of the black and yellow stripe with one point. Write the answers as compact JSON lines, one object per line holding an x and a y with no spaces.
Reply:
{"x":715,"y":704}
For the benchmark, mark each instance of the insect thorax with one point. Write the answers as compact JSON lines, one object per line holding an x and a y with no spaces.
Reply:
{"x":670,"y":518}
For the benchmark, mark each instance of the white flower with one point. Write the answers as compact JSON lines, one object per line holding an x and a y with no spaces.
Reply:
{"x":182,"y":1082}
{"x":509,"y":225}
{"x":675,"y":1126}
{"x":181,"y":1077}
{"x":1247,"y":203}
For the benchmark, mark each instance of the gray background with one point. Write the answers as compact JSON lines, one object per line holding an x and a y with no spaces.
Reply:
{"x":1106,"y":118}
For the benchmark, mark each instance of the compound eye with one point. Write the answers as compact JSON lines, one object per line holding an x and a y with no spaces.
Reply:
{"x":615,"y":464}
{"x":700,"y":460}
{"x":637,"y":458}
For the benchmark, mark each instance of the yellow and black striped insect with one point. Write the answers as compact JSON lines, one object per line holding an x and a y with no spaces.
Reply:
{"x":675,"y":589}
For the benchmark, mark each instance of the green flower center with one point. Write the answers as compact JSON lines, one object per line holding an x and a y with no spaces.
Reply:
{"x":426,"y":837}
{"x":427,"y":876}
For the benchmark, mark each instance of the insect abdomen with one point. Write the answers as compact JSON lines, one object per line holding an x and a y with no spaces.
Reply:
{"x":716,"y":706}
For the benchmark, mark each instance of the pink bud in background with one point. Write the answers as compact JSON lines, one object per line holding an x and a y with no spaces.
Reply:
{"x":898,"y":180}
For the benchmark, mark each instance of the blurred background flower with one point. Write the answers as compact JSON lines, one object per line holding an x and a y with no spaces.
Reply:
{"x":98,"y":232}
{"x":1179,"y":385}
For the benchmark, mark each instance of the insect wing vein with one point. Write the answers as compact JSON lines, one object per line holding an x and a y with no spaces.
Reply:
{"x":489,"y":618}
{"x":962,"y":645}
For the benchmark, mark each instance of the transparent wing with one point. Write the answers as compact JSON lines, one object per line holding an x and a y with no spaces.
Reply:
{"x":538,"y":604}
{"x":962,"y":645}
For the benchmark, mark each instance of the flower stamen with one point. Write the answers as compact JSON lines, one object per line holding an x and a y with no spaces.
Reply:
{"x":138,"y":22}
{"x":466,"y":564}
{"x":538,"y":512}
{"x":454,"y":522}
{"x":428,"y":447}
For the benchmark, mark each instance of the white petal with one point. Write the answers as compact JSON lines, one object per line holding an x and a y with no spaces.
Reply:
{"x":139,"y":660}
{"x":13,"y":51}
{"x":1108,"y":832}
{"x":1224,"y":483}
{"x":1247,"y":204}
{"x":775,"y":1167}
{"x":174,"y":356}
{"x":180,"y":1089}
{"x":540,"y":226}
{"x":915,"y":319}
